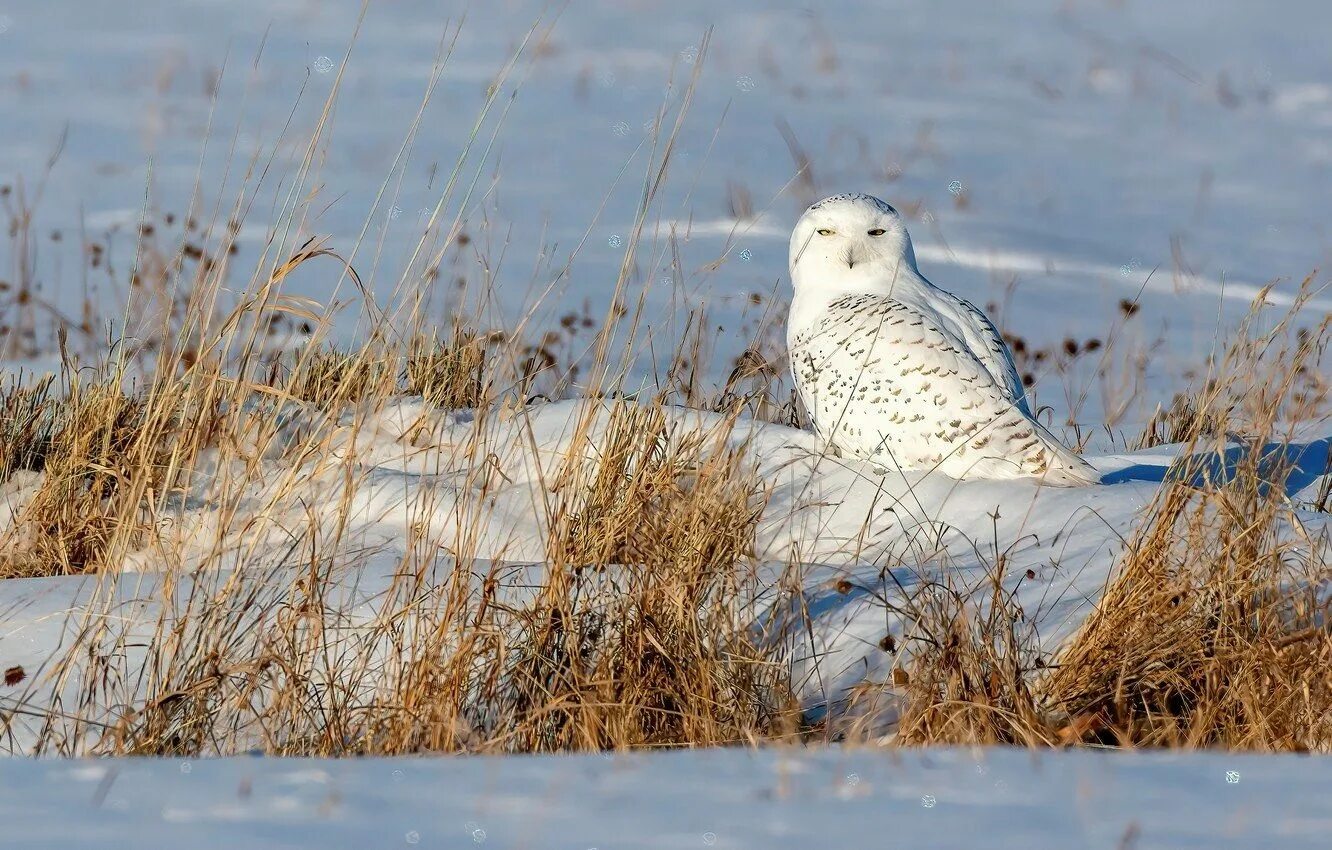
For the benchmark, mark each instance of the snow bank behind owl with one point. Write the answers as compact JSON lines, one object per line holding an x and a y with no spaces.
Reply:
{"x":1068,"y":149}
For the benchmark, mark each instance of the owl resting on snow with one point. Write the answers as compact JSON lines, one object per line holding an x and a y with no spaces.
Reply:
{"x":893,"y":369}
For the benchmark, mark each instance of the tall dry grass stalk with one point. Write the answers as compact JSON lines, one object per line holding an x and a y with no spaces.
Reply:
{"x":1214,"y":632}
{"x":973,"y":674}
{"x":636,"y":635}
{"x":1213,"y":629}
{"x":635,"y":630}
{"x":628,"y":637}
{"x":633,"y":634}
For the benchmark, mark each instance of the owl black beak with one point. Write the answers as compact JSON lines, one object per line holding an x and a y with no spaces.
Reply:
{"x":850,"y":258}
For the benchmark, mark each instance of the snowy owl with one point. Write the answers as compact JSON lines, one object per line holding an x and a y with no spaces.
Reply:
{"x":897,"y":371}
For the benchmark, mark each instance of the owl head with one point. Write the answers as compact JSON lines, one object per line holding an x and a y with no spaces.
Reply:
{"x":848,"y":236}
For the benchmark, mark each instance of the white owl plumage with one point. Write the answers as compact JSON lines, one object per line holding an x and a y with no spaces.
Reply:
{"x":897,"y":371}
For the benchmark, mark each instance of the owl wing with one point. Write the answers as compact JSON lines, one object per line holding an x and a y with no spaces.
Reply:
{"x":983,"y":338}
{"x":893,"y":383}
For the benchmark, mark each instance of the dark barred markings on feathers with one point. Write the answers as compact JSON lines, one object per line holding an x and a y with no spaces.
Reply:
{"x":855,"y":196}
{"x":897,"y":371}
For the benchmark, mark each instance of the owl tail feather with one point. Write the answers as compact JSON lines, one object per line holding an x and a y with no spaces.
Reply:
{"x":1064,"y":468}
{"x":1065,"y":474}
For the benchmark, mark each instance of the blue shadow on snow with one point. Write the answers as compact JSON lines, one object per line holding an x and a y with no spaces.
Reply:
{"x":1301,"y":464}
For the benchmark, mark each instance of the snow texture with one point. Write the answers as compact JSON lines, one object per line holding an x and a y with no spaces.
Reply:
{"x":1083,"y":152}
{"x":866,"y":540}
{"x":782,"y":798}
{"x":1069,"y":148}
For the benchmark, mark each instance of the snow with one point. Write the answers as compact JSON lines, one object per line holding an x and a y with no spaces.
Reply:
{"x":772,"y":798}
{"x":1092,"y":142}
{"x":409,"y":473}
{"x":1056,"y":157}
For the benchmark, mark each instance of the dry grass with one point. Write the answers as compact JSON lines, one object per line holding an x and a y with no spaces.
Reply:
{"x":451,"y":372}
{"x":1212,"y":631}
{"x":26,"y":413}
{"x":636,"y":630}
{"x":331,"y":379}
{"x":102,"y":454}
{"x":974,"y":674}
{"x":633,"y":634}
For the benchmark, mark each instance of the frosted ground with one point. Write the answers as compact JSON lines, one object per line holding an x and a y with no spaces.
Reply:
{"x":1064,"y":150}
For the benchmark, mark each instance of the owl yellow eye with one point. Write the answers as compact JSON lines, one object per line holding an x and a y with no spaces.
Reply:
{"x":878,"y":231}
{"x":823,"y":231}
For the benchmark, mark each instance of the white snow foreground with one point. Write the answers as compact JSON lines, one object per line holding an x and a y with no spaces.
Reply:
{"x":1000,"y":799}
{"x":864,"y":542}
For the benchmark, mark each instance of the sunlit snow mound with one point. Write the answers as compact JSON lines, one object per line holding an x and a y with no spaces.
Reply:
{"x":863,"y":540}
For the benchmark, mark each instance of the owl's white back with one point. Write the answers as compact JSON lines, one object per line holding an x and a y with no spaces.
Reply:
{"x":893,"y":369}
